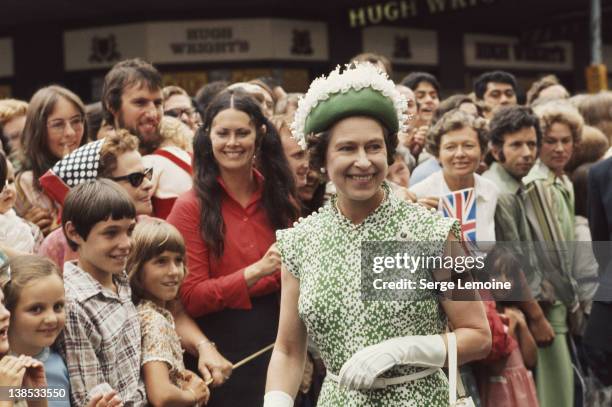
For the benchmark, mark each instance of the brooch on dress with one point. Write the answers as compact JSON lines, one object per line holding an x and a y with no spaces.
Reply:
{"x":404,"y":234}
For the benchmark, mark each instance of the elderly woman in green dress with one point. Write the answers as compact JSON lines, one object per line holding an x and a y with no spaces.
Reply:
{"x":377,"y":353}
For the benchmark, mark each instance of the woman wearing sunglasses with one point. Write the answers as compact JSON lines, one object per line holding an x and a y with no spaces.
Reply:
{"x":115,"y":157}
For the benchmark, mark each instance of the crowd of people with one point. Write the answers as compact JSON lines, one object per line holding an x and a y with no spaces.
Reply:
{"x":153,"y":242}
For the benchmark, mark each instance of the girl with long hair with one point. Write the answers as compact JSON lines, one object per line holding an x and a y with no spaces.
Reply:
{"x":55,"y":127}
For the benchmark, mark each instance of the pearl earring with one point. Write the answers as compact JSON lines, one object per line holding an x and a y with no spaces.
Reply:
{"x":322,"y":170}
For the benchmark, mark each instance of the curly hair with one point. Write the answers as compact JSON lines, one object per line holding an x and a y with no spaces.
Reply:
{"x":11,"y":108}
{"x":173,"y":90}
{"x":596,"y":110}
{"x":510,"y":119}
{"x":538,"y":86}
{"x":560,"y":112}
{"x":176,"y":132}
{"x":115,"y":144}
{"x":456,"y":120}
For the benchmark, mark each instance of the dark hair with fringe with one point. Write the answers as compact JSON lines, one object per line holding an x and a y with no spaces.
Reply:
{"x":279,"y":196}
{"x":510,"y":119}
{"x":92,"y":202}
{"x":149,"y":240}
{"x":480,"y":85}
{"x":25,"y":269}
{"x":413,"y":79}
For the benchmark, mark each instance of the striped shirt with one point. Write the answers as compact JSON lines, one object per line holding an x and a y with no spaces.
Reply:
{"x":101,"y":340}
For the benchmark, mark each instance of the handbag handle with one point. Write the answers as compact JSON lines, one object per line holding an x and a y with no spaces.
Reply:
{"x":451,"y":343}
{"x":454,"y":379}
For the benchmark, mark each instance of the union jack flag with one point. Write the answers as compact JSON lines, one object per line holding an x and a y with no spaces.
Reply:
{"x":461,"y":205}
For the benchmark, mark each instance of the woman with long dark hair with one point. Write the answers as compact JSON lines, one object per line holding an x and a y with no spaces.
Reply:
{"x":228,"y":221}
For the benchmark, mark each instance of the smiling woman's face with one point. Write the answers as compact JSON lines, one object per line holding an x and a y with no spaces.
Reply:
{"x":460,"y":152}
{"x":356,"y":158}
{"x":233,"y":139}
{"x":65,"y":128}
{"x":128,"y":163}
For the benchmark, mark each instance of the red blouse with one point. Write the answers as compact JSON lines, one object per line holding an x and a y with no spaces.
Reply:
{"x":212,"y":283}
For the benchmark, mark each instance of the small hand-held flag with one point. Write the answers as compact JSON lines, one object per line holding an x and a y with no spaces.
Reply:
{"x":461,"y":205}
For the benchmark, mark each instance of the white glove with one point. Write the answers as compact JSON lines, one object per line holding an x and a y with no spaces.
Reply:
{"x":362,"y":369}
{"x":277,"y":398}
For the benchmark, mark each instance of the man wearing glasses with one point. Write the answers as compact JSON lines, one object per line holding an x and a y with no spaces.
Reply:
{"x":177,"y":103}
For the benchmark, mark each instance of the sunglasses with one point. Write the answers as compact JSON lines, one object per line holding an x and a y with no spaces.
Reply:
{"x":135,"y":179}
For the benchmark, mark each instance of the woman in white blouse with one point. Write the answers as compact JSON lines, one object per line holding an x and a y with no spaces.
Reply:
{"x":458,"y":140}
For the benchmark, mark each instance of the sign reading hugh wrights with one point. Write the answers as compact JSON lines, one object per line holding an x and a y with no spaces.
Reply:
{"x":404,"y":9}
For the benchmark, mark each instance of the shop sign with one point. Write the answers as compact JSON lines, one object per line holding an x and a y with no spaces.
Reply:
{"x":237,"y":40}
{"x":396,"y":10}
{"x":402,"y":46}
{"x":490,"y":51}
{"x":179,"y":42}
{"x":102,"y":47}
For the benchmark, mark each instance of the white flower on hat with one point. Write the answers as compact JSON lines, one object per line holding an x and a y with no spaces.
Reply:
{"x":356,"y":76}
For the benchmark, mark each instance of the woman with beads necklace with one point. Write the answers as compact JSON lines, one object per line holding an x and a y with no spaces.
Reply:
{"x":377,"y":352}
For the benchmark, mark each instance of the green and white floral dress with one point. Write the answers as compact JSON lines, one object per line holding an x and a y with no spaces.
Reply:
{"x":323,"y":251}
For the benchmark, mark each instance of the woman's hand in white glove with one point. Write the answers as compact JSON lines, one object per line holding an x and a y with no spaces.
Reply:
{"x":277,"y":398}
{"x":362,"y":369}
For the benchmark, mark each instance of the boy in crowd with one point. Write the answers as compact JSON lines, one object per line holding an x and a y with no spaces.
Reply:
{"x":427,"y":91}
{"x":496,"y":89}
{"x":101,"y":340}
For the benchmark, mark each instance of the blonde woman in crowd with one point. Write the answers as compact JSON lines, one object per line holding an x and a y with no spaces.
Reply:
{"x":12,"y":121}
{"x":172,"y":162}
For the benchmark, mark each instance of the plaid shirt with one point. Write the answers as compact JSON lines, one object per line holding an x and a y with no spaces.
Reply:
{"x":101,"y":340}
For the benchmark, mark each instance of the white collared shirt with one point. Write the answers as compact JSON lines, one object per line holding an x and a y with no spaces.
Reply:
{"x":486,"y":200}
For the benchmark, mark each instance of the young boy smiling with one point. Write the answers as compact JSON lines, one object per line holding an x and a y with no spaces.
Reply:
{"x":101,"y":341}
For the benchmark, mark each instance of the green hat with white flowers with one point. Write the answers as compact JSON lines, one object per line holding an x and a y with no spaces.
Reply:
{"x":360,"y":89}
